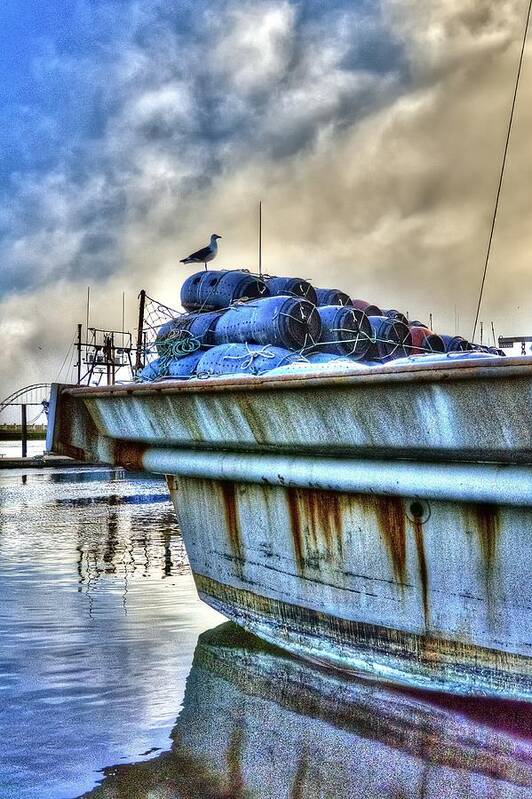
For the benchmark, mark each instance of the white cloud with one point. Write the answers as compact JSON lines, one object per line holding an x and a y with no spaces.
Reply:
{"x":251,"y":45}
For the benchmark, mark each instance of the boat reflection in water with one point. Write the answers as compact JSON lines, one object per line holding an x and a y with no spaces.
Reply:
{"x":258,"y":723}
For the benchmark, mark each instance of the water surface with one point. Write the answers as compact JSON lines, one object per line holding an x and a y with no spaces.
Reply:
{"x":259,"y":724}
{"x":13,"y":449}
{"x":98,"y":623}
{"x":106,"y":691}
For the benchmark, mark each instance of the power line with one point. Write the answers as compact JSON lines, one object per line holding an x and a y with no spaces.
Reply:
{"x":503,"y":165}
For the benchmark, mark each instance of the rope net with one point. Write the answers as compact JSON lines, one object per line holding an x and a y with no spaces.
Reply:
{"x":156,"y":314}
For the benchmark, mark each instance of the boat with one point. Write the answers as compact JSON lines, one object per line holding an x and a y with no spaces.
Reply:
{"x":376,"y":521}
{"x":258,"y":723}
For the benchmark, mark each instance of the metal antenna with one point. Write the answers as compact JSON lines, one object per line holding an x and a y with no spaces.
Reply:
{"x":260,"y":238}
{"x":88,"y":311}
{"x":123,"y":312}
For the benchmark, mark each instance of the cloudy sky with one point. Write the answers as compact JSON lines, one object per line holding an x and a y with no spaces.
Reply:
{"x":371,"y":131}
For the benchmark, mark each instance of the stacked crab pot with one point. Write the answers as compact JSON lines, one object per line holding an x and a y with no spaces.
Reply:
{"x":240,"y":323}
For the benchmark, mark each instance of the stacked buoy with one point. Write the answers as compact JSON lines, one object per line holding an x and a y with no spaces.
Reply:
{"x":237,"y":322}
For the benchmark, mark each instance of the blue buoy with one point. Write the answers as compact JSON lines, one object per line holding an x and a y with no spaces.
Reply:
{"x":456,"y":344}
{"x":344,"y":331}
{"x":392,"y":339}
{"x":291,"y":287}
{"x":192,"y":326}
{"x":216,"y":289}
{"x":392,"y":313}
{"x":287,"y":322}
{"x":162,"y":368}
{"x":332,"y":297}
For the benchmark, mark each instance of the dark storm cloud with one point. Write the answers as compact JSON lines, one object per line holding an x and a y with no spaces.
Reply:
{"x":205,"y":89}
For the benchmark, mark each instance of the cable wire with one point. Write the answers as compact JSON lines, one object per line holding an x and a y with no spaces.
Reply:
{"x":64,"y":362}
{"x":503,"y":165}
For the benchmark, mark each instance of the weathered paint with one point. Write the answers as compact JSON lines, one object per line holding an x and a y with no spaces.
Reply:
{"x":487,"y":525}
{"x":228,"y":492}
{"x":425,"y":661}
{"x":391,"y":522}
{"x":389,"y":585}
{"x":422,"y":566}
{"x":296,"y":502}
{"x":457,"y":414}
{"x":315,"y":523}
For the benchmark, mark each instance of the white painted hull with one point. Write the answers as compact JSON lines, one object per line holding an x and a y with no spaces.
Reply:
{"x":377,"y":522}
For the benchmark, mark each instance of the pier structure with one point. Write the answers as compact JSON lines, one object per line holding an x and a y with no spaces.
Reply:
{"x":32,"y":396}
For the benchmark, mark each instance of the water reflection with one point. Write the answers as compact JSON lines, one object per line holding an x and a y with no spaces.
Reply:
{"x":99,"y":618}
{"x":99,"y":621}
{"x":124,"y":553}
{"x":258,"y":724}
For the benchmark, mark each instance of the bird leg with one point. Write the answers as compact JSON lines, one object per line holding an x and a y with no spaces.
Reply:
{"x":205,"y":265}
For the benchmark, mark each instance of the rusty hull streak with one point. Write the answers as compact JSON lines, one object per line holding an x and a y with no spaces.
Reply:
{"x":391,"y":520}
{"x":316,"y":519}
{"x":422,"y":566}
{"x":485,"y":519}
{"x":487,"y":524}
{"x":316,"y":525}
{"x":295,"y":527}
{"x":228,"y":492}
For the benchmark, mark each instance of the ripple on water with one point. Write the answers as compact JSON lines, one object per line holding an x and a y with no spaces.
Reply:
{"x":98,"y":622}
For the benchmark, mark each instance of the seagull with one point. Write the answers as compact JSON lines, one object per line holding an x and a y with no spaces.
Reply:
{"x":206,"y":254}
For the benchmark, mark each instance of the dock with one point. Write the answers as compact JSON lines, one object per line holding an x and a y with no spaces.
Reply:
{"x":40,"y":462}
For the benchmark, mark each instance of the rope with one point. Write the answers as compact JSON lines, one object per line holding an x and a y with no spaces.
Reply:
{"x":177,"y":346}
{"x":247,"y":360}
{"x":503,"y":166}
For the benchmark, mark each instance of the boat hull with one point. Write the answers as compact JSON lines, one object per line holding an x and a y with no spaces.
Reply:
{"x":423,"y":593}
{"x":379,"y":522}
